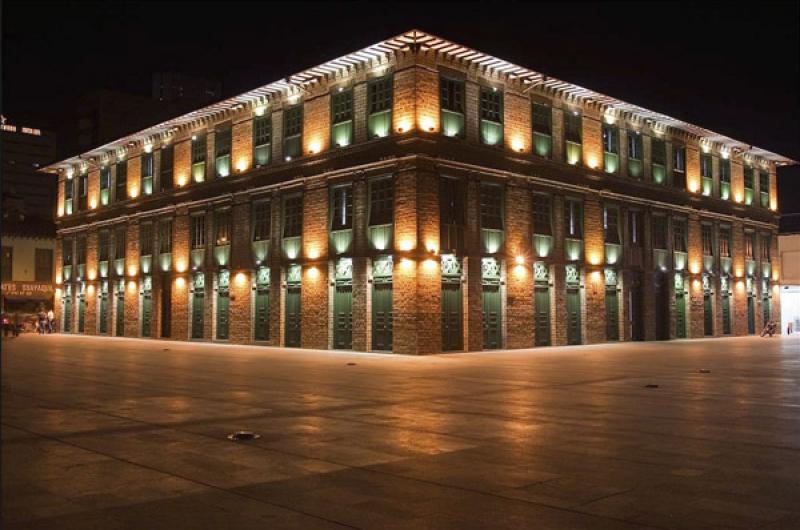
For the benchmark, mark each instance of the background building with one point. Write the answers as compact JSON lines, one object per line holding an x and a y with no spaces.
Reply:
{"x":25,"y":150}
{"x":789,"y":249}
{"x":419,"y":196}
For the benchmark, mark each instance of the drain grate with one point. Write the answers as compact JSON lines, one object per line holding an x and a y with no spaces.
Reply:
{"x":705,"y":371}
{"x":651,"y":386}
{"x":351,"y":364}
{"x":243,"y":436}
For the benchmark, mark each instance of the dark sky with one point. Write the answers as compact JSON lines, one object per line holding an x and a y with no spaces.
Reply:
{"x":730,"y":67}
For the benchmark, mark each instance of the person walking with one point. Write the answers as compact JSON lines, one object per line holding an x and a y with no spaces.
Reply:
{"x":42,"y":321}
{"x":51,"y":321}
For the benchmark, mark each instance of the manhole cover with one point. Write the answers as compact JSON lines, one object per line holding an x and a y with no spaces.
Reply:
{"x":351,"y":364}
{"x":243,"y":436}
{"x":651,"y":386}
{"x":165,"y":349}
{"x":705,"y":371}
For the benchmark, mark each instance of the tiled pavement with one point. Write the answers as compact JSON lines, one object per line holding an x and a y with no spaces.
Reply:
{"x":131,"y":434}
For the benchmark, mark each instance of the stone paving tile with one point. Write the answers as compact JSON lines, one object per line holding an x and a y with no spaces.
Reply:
{"x":130,"y":434}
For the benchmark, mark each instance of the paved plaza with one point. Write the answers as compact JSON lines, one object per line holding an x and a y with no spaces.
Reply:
{"x":111,"y":433}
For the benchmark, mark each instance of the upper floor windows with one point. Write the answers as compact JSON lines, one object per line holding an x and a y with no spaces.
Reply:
{"x":165,"y":236}
{"x":573,"y":219}
{"x":706,"y":174}
{"x":725,"y":179}
{"x":451,"y":102}
{"x":165,"y":168}
{"x":764,"y":247}
{"x":262,"y":220}
{"x":146,"y":239}
{"x":542,"y":129}
{"x":148,"y":172}
{"x":749,"y":185}
{"x":292,"y":132}
{"x":635,"y":154}
{"x":749,"y":244}
{"x":121,"y":184}
{"x":542,"y":215}
{"x":659,"y":232}
{"x":381,"y":201}
{"x":573,"y":137}
{"x":611,"y":225}
{"x":679,"y":235}
{"x":725,"y":242}
{"x":222,"y":227}
{"x":293,"y":216}
{"x":451,"y":214}
{"x":379,"y":107}
{"x":342,"y":207}
{"x":342,"y":118}
{"x":120,"y":242}
{"x":635,"y":228}
{"x":199,"y":153}
{"x":763,"y":188}
{"x":197,"y":231}
{"x":103,"y":245}
{"x":610,"y":148}
{"x":222,"y":151}
{"x":708,"y":240}
{"x":262,"y":140}
{"x":105,"y":185}
{"x":491,"y":203}
{"x":490,"y":114}
{"x":658,"y":160}
{"x":66,"y":252}
{"x":679,"y":166}
{"x":83,"y":191}
{"x":80,"y":250}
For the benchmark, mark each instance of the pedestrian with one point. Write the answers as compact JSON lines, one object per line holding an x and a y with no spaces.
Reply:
{"x":789,"y":328}
{"x":42,"y":321}
{"x":16,"y":324}
{"x":51,"y":319}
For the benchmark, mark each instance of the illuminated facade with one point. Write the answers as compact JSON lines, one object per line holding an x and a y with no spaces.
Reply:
{"x":417,"y":197}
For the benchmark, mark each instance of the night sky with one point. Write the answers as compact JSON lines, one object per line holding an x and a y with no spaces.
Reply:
{"x":731,"y":68}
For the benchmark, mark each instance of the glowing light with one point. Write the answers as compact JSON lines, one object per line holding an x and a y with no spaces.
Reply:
{"x":595,"y":258}
{"x":61,"y":211}
{"x":90,"y":289}
{"x":592,"y":162}
{"x":194,"y":137}
{"x":738,"y":197}
{"x":430,"y":264}
{"x":610,"y":118}
{"x":431,"y":247}
{"x":133,"y":192}
{"x":181,"y":181}
{"x":294,"y":98}
{"x":406,"y":245}
{"x":595,"y":277}
{"x":70,"y":173}
{"x":58,"y":279}
{"x":148,"y":148}
{"x":517,"y":144}
{"x":132,"y":270}
{"x":313,"y":272}
{"x":427,"y":123}
{"x":404,"y":125}
{"x":242,"y":164}
{"x":406,"y":264}
{"x":773,"y":205}
{"x":519,"y":271}
{"x":314,"y":147}
{"x":180,"y":283}
{"x":705,"y":147}
{"x":775,"y":276}
{"x":519,"y":260}
{"x":180,"y":265}
{"x":260,"y":110}
{"x":288,"y":158}
{"x":694,"y":186}
{"x":92,"y":274}
{"x":312,"y":252}
{"x":240,"y":278}
{"x":725,"y":153}
{"x":694,"y":267}
{"x":93,"y":203}
{"x":132,"y":286}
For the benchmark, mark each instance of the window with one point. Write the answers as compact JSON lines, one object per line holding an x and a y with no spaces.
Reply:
{"x":146,"y":239}
{"x":80,"y":250}
{"x":659,"y":232}
{"x":491,"y":116}
{"x":342,"y":118}
{"x":725,"y":179}
{"x":749,"y":244}
{"x":610,"y":148}
{"x":293,"y":216}
{"x":66,"y":252}
{"x":262,"y":140}
{"x":635,"y":228}
{"x":68,"y":190}
{"x":199,"y":148}
{"x":679,"y":235}
{"x":262,"y":220}
{"x":573,"y":124}
{"x":749,"y":185}
{"x":121,"y":191}
{"x":679,"y":166}
{"x":764,"y":247}
{"x":120,"y":239}
{"x":763,"y":188}
{"x":379,"y":107}
{"x":222,"y":227}
{"x":573,"y":219}
{"x":165,"y":236}
{"x":635,"y":154}
{"x":491,"y":206}
{"x":8,"y":262}
{"x":381,"y":202}
{"x":451,"y":99}
{"x":659,"y":160}
{"x":292,"y":132}
{"x":542,"y":215}
{"x":706,"y":174}
{"x":451,"y":214}
{"x":198,"y":231}
{"x":725,"y":242}
{"x":83,"y":189}
{"x":222,"y":151}
{"x":611,"y":228}
{"x":708,"y":239}
{"x":341,"y":207}
{"x":43,"y":261}
{"x":542,"y":129}
{"x":103,"y":245}
{"x":147,"y":173}
{"x":165,"y":168}
{"x":105,"y":185}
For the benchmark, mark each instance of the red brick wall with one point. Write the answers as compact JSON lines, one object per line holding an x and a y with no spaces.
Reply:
{"x":519,"y":280}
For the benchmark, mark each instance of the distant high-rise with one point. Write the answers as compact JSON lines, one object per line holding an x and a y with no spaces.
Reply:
{"x":25,"y":188}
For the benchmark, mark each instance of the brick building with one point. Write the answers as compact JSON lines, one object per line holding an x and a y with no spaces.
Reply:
{"x":417,"y":197}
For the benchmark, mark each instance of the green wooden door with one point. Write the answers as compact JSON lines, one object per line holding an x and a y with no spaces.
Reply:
{"x":452,"y":316}
{"x":343,"y":317}
{"x":708,"y":315}
{"x":262,"y":312}
{"x":147,"y":313}
{"x":120,"y":314}
{"x":680,"y":315}
{"x":612,"y":314}
{"x":382,"y":316}
{"x":726,"y":314}
{"x":751,"y":315}
{"x":573,"y":315}
{"x":198,"y":303}
{"x":492,"y":317}
{"x":81,"y":312}
{"x":166,"y":306}
{"x":293,"y":318}
{"x":103,"y":303}
{"x":67,"y":310}
{"x":541,"y":302}
{"x":223,"y":313}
